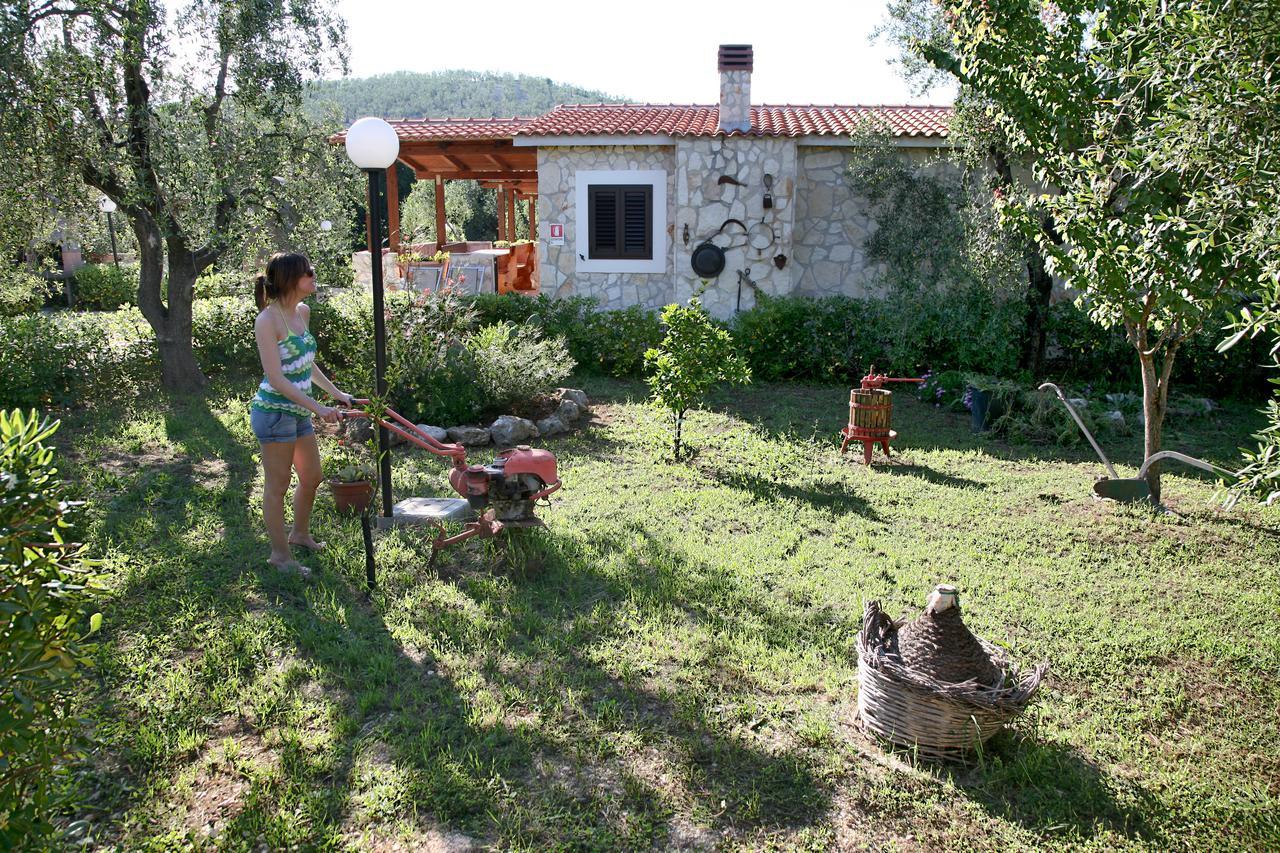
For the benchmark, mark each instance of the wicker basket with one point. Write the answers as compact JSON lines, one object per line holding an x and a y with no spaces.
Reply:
{"x":939,"y":719}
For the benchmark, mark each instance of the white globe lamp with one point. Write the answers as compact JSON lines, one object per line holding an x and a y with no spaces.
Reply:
{"x":372,"y":143}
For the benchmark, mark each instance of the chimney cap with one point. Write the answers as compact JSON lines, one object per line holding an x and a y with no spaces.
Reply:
{"x":736,"y":57}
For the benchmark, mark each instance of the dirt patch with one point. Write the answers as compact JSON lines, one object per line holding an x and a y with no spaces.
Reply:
{"x":416,"y":840}
{"x":233,"y":755}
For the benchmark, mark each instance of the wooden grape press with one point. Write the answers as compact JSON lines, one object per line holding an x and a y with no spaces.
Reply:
{"x":871,"y":414}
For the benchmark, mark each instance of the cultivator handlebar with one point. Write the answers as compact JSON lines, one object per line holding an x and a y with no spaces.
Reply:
{"x":400,"y":425}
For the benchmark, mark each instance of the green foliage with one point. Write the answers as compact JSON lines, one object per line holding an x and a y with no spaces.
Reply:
{"x":694,"y":355}
{"x":213,"y":284}
{"x":21,"y":292}
{"x":106,"y":287}
{"x":608,"y":342}
{"x":58,"y":359}
{"x":204,"y":148}
{"x":458,"y":94}
{"x":222,"y":331}
{"x":46,"y":615}
{"x":432,"y":375}
{"x":841,"y":338}
{"x":515,"y":365}
{"x":935,"y":228}
{"x":1260,"y":475}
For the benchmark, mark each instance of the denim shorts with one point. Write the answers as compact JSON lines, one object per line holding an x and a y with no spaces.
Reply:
{"x":279,"y":426}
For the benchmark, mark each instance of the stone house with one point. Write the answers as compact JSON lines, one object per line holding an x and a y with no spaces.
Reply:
{"x":624,"y":195}
{"x":766,"y":184}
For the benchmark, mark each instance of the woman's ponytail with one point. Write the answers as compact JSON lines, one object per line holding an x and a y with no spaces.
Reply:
{"x":283,"y":271}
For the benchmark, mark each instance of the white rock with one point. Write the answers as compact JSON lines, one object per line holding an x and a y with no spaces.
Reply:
{"x":568,"y":411}
{"x":1078,"y":402}
{"x":469,"y":436}
{"x":575,"y":395}
{"x":551,"y":425}
{"x":1114,"y":417}
{"x":438,"y":433}
{"x":509,"y":430}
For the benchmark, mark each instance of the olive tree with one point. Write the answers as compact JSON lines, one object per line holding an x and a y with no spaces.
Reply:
{"x":188,"y":117}
{"x":1149,"y":132}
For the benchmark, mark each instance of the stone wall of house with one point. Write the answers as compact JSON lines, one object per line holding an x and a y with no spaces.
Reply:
{"x":557,"y":203}
{"x":833,"y":223}
{"x":817,"y":227}
{"x":704,"y":204}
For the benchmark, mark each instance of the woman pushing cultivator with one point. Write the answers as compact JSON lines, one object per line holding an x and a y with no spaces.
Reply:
{"x":281,"y":411}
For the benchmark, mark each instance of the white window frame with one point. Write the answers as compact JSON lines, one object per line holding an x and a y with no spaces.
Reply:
{"x":656,"y":178}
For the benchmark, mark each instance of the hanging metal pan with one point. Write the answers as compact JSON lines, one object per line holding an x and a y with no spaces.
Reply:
{"x":707,"y":260}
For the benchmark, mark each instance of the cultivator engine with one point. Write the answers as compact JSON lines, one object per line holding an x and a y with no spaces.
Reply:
{"x":502,"y":494}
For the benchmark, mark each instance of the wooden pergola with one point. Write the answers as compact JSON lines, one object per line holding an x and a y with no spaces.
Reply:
{"x":478,"y":149}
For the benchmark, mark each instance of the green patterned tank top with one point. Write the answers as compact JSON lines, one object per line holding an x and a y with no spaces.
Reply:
{"x":297,"y":354}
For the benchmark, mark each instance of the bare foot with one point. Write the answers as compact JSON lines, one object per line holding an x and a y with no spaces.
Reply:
{"x":292,"y":566}
{"x":307,"y":542}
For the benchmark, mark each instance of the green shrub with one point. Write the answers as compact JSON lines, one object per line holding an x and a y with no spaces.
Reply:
{"x":21,"y":292}
{"x":106,"y":287}
{"x":213,"y":284}
{"x":222,"y":333}
{"x":58,"y":359}
{"x":46,"y":591}
{"x":608,"y":342}
{"x":694,"y":355}
{"x":432,"y":375}
{"x":839,"y":338}
{"x":515,"y":365}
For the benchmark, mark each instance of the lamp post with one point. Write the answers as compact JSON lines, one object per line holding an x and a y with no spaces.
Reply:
{"x":372,"y":145}
{"x":107,"y":206}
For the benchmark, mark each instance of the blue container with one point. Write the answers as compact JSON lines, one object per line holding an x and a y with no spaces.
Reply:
{"x":979,"y":409}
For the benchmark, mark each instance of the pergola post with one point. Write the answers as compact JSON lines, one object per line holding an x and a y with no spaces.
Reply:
{"x":502,"y":212}
{"x":393,"y":208}
{"x":440,"y":223}
{"x":511,"y":213}
{"x":533,"y":218}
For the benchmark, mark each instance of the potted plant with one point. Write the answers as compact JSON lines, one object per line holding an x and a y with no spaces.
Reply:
{"x":351,"y":482}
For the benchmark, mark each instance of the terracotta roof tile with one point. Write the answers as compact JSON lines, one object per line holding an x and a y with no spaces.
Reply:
{"x":453,"y":129}
{"x":677,"y":120}
{"x":700,"y":120}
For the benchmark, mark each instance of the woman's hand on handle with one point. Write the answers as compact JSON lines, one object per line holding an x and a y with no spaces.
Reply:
{"x":328,"y":414}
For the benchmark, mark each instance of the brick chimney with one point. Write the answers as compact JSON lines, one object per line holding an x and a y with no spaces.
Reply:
{"x":735,"y":87}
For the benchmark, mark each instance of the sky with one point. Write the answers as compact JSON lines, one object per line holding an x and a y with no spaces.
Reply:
{"x":652,"y":51}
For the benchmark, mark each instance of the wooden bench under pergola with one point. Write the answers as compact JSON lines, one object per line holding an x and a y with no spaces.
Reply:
{"x":478,"y":149}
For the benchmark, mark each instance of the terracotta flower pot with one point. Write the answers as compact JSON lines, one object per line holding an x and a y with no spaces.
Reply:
{"x":351,"y":498}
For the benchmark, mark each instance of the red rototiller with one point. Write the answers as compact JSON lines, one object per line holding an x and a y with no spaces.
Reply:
{"x":502,"y":494}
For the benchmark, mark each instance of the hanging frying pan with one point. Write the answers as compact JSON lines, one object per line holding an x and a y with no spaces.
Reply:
{"x":707,"y":260}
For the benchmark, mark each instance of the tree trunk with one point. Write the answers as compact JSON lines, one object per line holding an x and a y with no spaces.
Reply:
{"x":1035,"y":330}
{"x":171,"y":322}
{"x":679,"y":426}
{"x":1039,"y":282}
{"x":1155,"y":404}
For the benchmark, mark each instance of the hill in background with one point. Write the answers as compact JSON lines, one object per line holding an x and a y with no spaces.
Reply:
{"x":460,"y":94}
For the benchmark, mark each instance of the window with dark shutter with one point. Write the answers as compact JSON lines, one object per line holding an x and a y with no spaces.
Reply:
{"x":621,"y":221}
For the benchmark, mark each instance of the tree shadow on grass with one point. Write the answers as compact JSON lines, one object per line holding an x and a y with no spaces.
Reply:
{"x":1052,"y":789}
{"x":674,"y":730}
{"x":834,"y":497}
{"x":361,"y":727}
{"x":929,"y":475}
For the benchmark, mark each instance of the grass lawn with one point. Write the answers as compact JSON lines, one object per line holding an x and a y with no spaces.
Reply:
{"x":672,"y":663}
